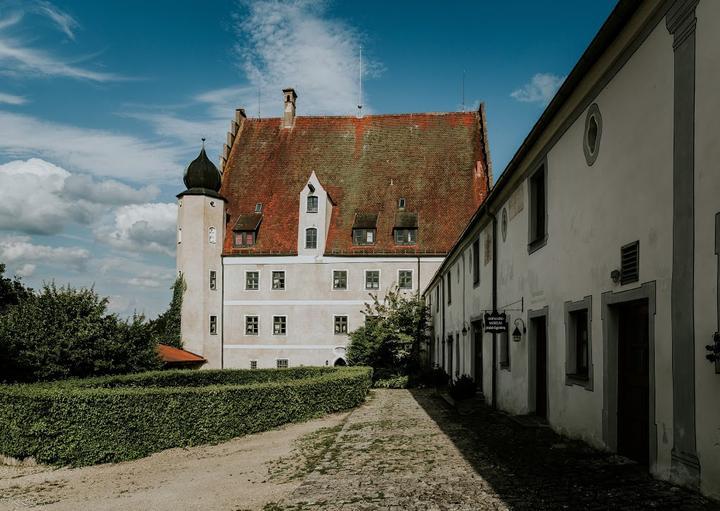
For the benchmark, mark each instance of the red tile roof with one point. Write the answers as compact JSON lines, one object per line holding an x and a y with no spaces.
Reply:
{"x":171,"y":355}
{"x":438,"y":162}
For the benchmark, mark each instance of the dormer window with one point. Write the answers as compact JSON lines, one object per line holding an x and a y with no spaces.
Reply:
{"x":243,"y":238}
{"x":363,"y":236}
{"x":258,"y":207}
{"x":312,"y":204}
{"x":405,"y":229}
{"x":246,"y":229}
{"x":364,"y":229}
{"x":405,"y":236}
{"x":311,"y":238}
{"x":401,"y":203}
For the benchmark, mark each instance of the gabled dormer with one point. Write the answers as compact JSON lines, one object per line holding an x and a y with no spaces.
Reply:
{"x":314,"y":219}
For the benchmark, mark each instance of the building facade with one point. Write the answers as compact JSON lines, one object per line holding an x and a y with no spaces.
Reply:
{"x":600,"y":243}
{"x":309,"y":218}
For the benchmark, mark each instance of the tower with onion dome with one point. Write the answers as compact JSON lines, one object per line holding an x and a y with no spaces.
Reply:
{"x":200,"y":235}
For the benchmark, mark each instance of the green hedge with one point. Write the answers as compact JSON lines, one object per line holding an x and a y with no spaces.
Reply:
{"x":109,"y":419}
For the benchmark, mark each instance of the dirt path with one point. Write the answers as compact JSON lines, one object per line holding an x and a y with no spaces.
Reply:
{"x":241,"y":474}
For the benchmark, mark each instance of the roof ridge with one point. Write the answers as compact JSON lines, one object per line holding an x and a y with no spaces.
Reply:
{"x":374,"y":116}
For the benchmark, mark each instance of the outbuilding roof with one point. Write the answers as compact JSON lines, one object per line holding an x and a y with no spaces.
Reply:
{"x":176,"y":356}
{"x":437,"y":162}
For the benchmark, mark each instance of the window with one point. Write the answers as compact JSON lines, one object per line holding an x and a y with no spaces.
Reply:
{"x":213,"y":325}
{"x":253,"y":364}
{"x":504,"y":224}
{"x":252,"y":280}
{"x":578,"y":361}
{"x":339,"y":279}
{"x":212,"y":235}
{"x":593,"y":134}
{"x":312,"y":204}
{"x":504,"y":350}
{"x":244,"y":238}
{"x":476,"y":261}
{"x":538,"y":210}
{"x":372,"y":279}
{"x":405,"y":236}
{"x":437,"y":298}
{"x":311,"y":238}
{"x":252,"y":325}
{"x":405,"y":279}
{"x":449,"y":287}
{"x":401,"y":203}
{"x":282,"y":363}
{"x":341,"y":325}
{"x":179,"y":236}
{"x":278,"y":279}
{"x":258,"y":207}
{"x":630,"y":263}
{"x":279,"y":325}
{"x":213,"y":280}
{"x":363,"y":236}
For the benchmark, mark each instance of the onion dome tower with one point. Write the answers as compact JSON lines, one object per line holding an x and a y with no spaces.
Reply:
{"x":202,"y":177}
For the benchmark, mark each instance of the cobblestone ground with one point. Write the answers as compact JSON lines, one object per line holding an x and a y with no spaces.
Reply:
{"x":408,"y":450}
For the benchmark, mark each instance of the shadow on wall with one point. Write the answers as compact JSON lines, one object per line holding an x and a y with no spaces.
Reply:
{"x":531,"y":467}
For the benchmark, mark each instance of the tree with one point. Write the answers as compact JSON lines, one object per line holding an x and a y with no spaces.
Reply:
{"x":12,"y":291}
{"x":65,"y":332}
{"x":166,"y":327}
{"x":393,"y":333}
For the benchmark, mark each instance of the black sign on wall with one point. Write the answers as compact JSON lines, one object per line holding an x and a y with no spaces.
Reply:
{"x":496,"y":322}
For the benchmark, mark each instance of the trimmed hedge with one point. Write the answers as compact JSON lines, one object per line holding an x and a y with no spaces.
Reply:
{"x":118,"y":418}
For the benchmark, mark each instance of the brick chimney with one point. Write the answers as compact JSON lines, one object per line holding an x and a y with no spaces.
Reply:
{"x":289,"y":112}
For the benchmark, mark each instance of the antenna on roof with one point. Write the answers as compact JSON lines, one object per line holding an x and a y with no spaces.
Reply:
{"x":463,"y":91}
{"x":203,"y":142}
{"x":360,"y":83}
{"x":258,"y":102}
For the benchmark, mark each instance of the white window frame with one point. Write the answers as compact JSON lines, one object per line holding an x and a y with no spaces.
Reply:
{"x":347,"y":324}
{"x":253,"y":364}
{"x":272,"y":283}
{"x":412,"y":281}
{"x":273,"y":324}
{"x":213,"y":280}
{"x":307,"y":204}
{"x":332,"y":280}
{"x":278,"y":360}
{"x":307,"y":229}
{"x":246,"y":280}
{"x":210,"y":324}
{"x":379,"y":272}
{"x":245,"y":318}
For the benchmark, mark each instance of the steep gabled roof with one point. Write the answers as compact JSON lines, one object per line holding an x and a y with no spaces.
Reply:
{"x":437,"y":162}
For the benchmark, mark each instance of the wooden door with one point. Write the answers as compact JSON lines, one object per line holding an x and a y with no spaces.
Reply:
{"x":541,"y":387}
{"x":633,"y":382}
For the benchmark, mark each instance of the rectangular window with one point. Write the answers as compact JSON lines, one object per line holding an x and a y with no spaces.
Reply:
{"x":311,"y":238}
{"x":363,"y":236}
{"x":578,"y":360}
{"x":437,"y":298}
{"x":405,"y":279}
{"x":405,"y":236}
{"x":312,"y":204}
{"x":580,"y":323}
{"x":213,"y":280}
{"x":504,"y":350}
{"x":339,"y":279}
{"x":341,"y":325}
{"x":538,"y":208}
{"x":252,"y":325}
{"x":282,"y":363}
{"x":213,"y":325}
{"x":449,"y":287}
{"x":630,"y":263}
{"x":476,"y":261}
{"x":278,"y":279}
{"x":244,"y":238}
{"x":253,"y":364}
{"x":279,"y":325}
{"x":252,"y":280}
{"x":372,"y":279}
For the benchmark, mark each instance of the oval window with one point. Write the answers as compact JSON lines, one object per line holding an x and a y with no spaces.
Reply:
{"x":593,"y":132}
{"x":503,"y":224}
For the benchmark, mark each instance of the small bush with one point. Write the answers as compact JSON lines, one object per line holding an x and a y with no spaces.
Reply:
{"x":117,"y":418}
{"x":463,"y":388}
{"x":394,"y":382}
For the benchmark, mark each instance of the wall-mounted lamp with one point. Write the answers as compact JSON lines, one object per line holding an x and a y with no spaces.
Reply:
{"x":517,"y":334}
{"x":465,"y":328}
{"x":311,"y":187}
{"x":615,"y":276}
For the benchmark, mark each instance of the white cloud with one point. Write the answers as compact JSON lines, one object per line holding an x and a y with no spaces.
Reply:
{"x":541,"y":88}
{"x":143,"y":282}
{"x":142,"y":228}
{"x":12,"y":99}
{"x":293,"y":44}
{"x":26,"y":270}
{"x":64,"y":22}
{"x":92,"y":151}
{"x":21,"y":250}
{"x":38,"y":197}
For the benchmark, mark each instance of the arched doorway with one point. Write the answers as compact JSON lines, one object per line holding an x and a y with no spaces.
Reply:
{"x":340,"y":362}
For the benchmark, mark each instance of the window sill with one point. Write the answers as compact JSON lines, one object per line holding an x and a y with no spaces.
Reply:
{"x":536,"y":245}
{"x":505,"y":367}
{"x":581,"y":380}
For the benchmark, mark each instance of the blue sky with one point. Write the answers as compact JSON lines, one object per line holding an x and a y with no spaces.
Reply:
{"x":102,"y":104}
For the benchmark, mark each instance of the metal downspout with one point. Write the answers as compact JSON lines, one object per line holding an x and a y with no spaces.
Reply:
{"x":494,"y":306}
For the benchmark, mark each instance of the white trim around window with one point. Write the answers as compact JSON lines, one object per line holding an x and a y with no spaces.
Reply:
{"x":332,"y":280}
{"x":379,"y":272}
{"x":412,"y":277}
{"x":272,"y":278}
{"x":245,"y":316}
{"x":347,"y":324}
{"x":245,"y":287}
{"x":273,"y":324}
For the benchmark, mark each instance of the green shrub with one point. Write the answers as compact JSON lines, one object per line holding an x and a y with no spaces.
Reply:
{"x":110,"y":419}
{"x":463,"y":388}
{"x":393,"y":382}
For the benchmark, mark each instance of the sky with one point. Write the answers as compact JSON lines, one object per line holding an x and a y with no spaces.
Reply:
{"x":103,"y":105}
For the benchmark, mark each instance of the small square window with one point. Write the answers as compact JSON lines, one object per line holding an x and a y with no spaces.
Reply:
{"x":339,"y":279}
{"x":405,"y":279}
{"x":253,"y":364}
{"x":252,"y":325}
{"x":252,"y":280}
{"x":282,"y":363}
{"x":312,"y":204}
{"x":279,"y":325}
{"x":372,"y":279}
{"x":278,"y":280}
{"x":341,"y":325}
{"x":311,"y":238}
{"x":213,"y":325}
{"x":213,"y":280}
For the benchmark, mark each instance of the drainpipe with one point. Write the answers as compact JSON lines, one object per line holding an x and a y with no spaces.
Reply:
{"x":494,"y":306}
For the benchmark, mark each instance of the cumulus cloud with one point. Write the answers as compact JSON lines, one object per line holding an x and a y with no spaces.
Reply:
{"x":11,"y":99}
{"x":143,"y":282}
{"x":37,"y":197}
{"x":143,"y":228}
{"x":26,"y":270}
{"x":541,"y":88}
{"x":21,"y":249}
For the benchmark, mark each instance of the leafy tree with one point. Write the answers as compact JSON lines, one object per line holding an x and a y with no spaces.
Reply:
{"x":65,"y":332}
{"x":393,"y":333}
{"x":12,"y":291}
{"x":166,"y":327}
